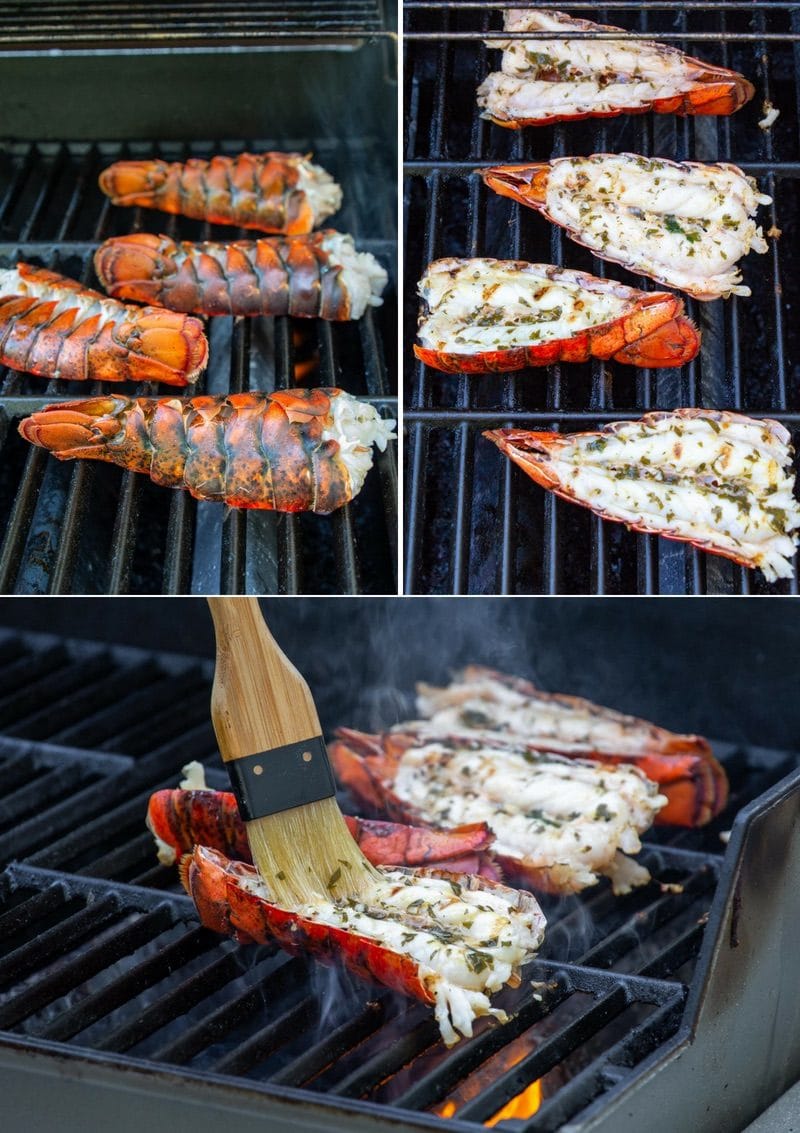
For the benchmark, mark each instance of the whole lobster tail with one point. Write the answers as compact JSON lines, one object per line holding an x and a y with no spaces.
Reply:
{"x":53,"y":327}
{"x":291,"y":450}
{"x":319,"y":275}
{"x":273,"y":192}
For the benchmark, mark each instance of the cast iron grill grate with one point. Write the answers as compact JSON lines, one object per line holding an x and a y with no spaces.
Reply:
{"x":93,"y":528}
{"x":475,"y":523}
{"x":102,"y":960}
{"x":182,"y":24}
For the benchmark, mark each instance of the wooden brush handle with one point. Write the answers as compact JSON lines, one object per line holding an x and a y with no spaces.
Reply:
{"x":259,"y":700}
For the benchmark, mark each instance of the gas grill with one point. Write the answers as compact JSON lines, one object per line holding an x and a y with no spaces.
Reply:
{"x":93,"y":528}
{"x":474,"y":522}
{"x":674,"y":1005}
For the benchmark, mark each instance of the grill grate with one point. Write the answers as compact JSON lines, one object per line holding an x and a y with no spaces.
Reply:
{"x":101,"y":957}
{"x":475,"y":523}
{"x":83,"y":527}
{"x":183,"y":24}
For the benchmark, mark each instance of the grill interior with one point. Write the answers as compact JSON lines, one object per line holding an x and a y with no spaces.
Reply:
{"x":182,"y":23}
{"x":475,"y":523}
{"x":88,"y":527}
{"x":101,"y":958}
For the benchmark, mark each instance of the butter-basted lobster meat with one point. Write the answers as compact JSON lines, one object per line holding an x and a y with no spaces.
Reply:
{"x":273,"y":192}
{"x":320,"y":275}
{"x":183,"y":818}
{"x":291,"y":450}
{"x":559,"y":824}
{"x":450,"y":940}
{"x":486,"y":704}
{"x":720,"y":481}
{"x":684,"y":224}
{"x":496,"y":315}
{"x":55,"y":327}
{"x":542,"y":81}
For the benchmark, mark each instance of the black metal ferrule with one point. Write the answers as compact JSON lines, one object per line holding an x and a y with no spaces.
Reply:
{"x":281,"y":778}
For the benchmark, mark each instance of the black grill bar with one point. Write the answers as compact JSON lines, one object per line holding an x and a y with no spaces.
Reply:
{"x":95,"y":528}
{"x":183,"y":25}
{"x":143,"y":975}
{"x":474,"y":523}
{"x":95,"y":957}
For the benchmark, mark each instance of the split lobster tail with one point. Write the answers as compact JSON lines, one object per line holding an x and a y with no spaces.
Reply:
{"x":448,"y":940}
{"x":684,"y":224}
{"x":486,"y":315}
{"x":542,"y":81}
{"x":560,"y":823}
{"x":183,"y":818}
{"x":721,"y":481}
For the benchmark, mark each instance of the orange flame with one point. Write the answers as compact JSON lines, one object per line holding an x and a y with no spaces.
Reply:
{"x":523,"y":1105}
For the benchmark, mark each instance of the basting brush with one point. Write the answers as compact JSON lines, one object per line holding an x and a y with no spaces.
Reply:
{"x":271,"y":741}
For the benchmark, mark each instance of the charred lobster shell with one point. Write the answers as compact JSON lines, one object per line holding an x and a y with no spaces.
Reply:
{"x":277,"y":451}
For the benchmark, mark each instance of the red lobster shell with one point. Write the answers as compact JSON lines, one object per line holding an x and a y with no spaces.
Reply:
{"x":184,"y":818}
{"x":224,"y":904}
{"x":260,"y":191}
{"x":54,"y":327}
{"x":653,"y":331}
{"x":250,"y":450}
{"x":297,"y":275}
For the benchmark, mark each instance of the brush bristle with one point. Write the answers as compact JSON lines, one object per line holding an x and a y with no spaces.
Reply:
{"x":307,"y":853}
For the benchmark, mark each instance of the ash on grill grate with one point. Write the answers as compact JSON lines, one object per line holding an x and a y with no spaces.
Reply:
{"x":474,"y":523}
{"x":94,"y":528}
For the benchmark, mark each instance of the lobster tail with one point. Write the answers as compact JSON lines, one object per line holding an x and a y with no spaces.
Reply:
{"x":292,"y":450}
{"x":54,"y":327}
{"x":273,"y":192}
{"x":319,"y":275}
